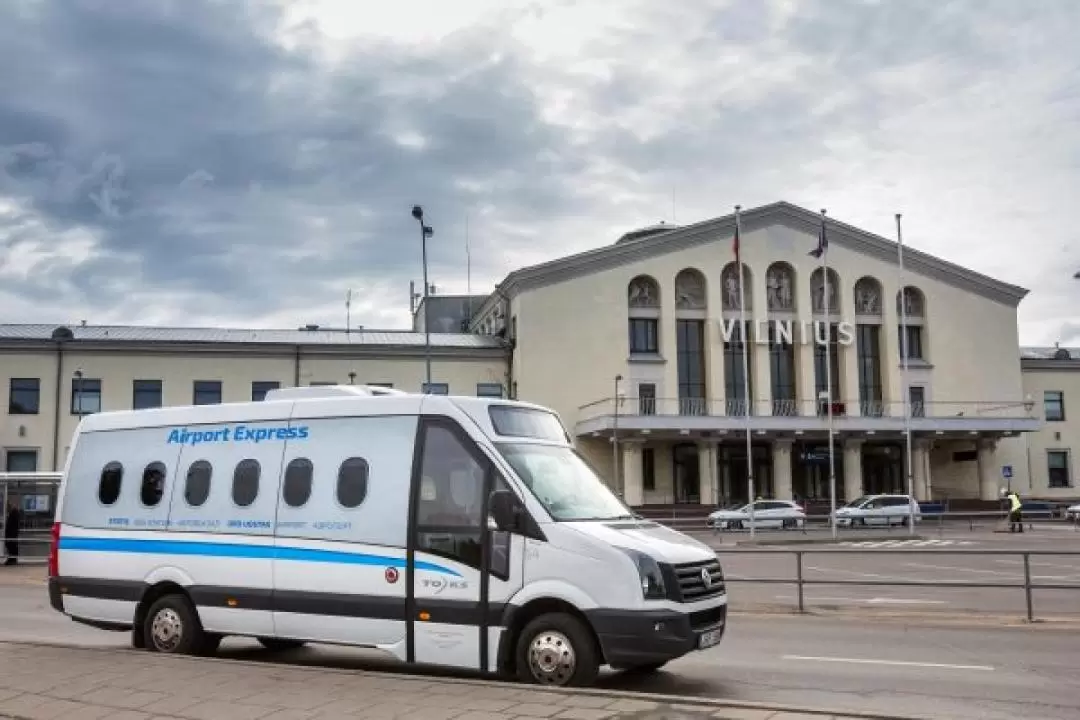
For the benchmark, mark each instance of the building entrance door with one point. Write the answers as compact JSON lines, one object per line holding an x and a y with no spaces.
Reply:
{"x":686,"y":474}
{"x":883,"y":469}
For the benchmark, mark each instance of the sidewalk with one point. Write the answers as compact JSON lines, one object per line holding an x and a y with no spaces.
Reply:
{"x":39,"y":682}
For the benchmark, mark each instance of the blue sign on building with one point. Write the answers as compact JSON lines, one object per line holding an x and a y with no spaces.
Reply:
{"x":1006,"y":471}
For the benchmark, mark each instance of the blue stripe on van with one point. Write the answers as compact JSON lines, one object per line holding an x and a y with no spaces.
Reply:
{"x":236,"y":550}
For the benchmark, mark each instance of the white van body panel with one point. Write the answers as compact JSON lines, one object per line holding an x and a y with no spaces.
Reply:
{"x":329,"y":516}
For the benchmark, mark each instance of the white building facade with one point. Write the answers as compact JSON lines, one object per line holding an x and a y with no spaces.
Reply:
{"x":638,"y":346}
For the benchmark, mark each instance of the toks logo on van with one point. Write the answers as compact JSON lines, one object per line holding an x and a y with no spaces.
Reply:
{"x":237,"y":433}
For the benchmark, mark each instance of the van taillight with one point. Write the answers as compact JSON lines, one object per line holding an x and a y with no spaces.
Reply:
{"x":54,"y":551}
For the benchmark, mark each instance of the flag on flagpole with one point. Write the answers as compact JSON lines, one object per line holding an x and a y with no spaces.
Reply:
{"x":822,"y":242}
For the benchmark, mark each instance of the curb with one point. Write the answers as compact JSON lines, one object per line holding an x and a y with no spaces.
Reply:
{"x":819,"y":540}
{"x":679,"y":700}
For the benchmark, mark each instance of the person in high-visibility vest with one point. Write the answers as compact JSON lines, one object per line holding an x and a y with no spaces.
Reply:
{"x":1016,"y":520}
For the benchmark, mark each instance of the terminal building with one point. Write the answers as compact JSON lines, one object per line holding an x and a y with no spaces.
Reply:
{"x":638,"y":345}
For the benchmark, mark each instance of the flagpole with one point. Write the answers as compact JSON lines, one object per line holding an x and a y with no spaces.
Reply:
{"x":828,"y":375}
{"x":904,"y":373}
{"x":744,"y":336}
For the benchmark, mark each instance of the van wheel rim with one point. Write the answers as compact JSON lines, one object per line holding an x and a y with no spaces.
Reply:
{"x":552,"y":659}
{"x":167,"y":630}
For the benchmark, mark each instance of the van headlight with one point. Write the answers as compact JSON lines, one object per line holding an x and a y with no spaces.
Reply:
{"x":652,"y":580}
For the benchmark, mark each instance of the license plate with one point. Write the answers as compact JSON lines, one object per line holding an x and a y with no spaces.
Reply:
{"x":710,"y":637}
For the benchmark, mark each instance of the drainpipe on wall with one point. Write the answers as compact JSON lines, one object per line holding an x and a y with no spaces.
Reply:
{"x":296,"y":368}
{"x":56,"y":406}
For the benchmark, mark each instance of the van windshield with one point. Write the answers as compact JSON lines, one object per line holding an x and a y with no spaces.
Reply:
{"x":563,"y":482}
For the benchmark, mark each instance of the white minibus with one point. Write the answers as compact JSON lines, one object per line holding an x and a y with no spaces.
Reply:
{"x":457,"y":531}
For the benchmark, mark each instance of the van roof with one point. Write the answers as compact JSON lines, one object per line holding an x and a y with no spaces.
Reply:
{"x":309,"y":402}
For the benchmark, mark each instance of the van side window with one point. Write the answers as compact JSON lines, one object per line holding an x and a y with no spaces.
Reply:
{"x":153,"y":484}
{"x":245,"y":482}
{"x":296,"y":489}
{"x":197,"y":486}
{"x":112,"y":475}
{"x":352,"y":480}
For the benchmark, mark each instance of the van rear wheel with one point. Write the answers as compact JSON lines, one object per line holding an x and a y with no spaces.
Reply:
{"x":172,"y":626}
{"x":557,"y":649}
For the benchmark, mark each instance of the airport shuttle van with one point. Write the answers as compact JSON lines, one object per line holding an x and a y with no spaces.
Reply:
{"x":462,"y":532}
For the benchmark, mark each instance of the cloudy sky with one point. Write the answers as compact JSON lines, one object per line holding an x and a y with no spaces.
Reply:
{"x":238,"y":162}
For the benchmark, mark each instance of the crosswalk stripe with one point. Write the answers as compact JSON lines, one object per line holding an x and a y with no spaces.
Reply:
{"x":884,"y":544}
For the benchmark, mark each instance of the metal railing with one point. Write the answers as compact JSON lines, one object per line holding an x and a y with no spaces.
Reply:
{"x":800,"y":581}
{"x":632,"y":406}
{"x":938,"y":521}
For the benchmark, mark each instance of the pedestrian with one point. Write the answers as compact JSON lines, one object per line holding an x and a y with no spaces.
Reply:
{"x":1016,"y":519}
{"x":11,"y":533}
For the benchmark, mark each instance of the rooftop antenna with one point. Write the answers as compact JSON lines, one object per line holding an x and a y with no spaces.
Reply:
{"x":348,"y":311}
{"x":468,"y":269}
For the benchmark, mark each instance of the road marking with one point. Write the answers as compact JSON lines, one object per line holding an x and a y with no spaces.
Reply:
{"x":1039,"y":563}
{"x":899,"y":663}
{"x":884,"y":544}
{"x":958,"y":569}
{"x":868,"y":601}
{"x":861,"y":574}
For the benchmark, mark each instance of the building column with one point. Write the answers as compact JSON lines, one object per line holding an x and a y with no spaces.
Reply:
{"x":988,"y":475}
{"x":761,"y":374}
{"x":707,"y":473}
{"x":920,"y":456}
{"x":723,"y":494}
{"x":634,"y":491}
{"x":781,"y":467}
{"x":853,"y":477}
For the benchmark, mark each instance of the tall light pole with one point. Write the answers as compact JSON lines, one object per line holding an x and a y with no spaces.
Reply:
{"x":425,"y":233}
{"x":904,"y":375}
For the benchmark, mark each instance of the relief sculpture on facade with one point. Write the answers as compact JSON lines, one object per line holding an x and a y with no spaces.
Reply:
{"x":732,"y":300}
{"x":780,"y":289}
{"x":689,"y":291}
{"x":643,"y":293}
{"x":867,"y":298}
{"x":817,"y":293}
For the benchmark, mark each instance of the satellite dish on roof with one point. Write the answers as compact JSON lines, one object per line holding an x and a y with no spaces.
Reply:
{"x":1062,"y":354}
{"x":63,"y":333}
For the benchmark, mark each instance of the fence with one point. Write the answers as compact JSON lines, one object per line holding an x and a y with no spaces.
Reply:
{"x":34,"y":494}
{"x":937,"y":521}
{"x":800,"y":581}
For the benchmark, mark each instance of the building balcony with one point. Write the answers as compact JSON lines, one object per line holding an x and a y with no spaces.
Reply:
{"x":702,"y":415}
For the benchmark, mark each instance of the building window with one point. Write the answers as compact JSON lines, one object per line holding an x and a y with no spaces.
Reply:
{"x":782,"y":371}
{"x":197,"y":485}
{"x":644,"y":336}
{"x":914,"y":341}
{"x":734,"y":378}
{"x":646,"y":399}
{"x":489,"y":390}
{"x":296,"y":488}
{"x":1057,"y":469}
{"x":259,"y":388}
{"x":917,"y":400}
{"x":690,"y":355}
{"x":85,"y":396}
{"x":821,"y":379}
{"x":24,"y":396}
{"x":648,"y":469}
{"x":1054,"y":405}
{"x":207,"y":392}
{"x":435,"y":388}
{"x":21,"y":461}
{"x":145,"y":394}
{"x":868,"y":349}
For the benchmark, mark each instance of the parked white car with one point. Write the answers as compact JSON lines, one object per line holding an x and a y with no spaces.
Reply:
{"x":879,"y":510}
{"x":1072,"y":513}
{"x":767,"y":514}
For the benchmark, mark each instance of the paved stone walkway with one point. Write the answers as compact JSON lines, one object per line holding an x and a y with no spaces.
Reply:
{"x":39,"y":682}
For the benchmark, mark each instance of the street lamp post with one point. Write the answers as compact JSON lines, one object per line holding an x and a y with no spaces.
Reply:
{"x":425,"y":233}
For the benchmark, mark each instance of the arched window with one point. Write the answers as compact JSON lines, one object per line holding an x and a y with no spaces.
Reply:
{"x":914,"y":303}
{"x":868,"y":297}
{"x":643,"y":311}
{"x":690,"y":290}
{"x":729,"y":278}
{"x":780,"y":287}
{"x":817,"y":292}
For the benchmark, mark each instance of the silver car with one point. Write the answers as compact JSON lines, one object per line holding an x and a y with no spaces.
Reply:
{"x":767,"y":514}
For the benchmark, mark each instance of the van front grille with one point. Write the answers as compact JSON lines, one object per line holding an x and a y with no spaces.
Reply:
{"x":688,"y":584}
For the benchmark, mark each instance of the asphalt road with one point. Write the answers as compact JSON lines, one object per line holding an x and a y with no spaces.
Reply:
{"x":944,"y":670}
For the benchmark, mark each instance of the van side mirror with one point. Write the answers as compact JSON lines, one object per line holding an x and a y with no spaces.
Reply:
{"x":505,"y":510}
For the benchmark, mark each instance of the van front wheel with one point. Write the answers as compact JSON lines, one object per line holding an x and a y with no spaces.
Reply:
{"x":557,"y":649}
{"x":172,"y":626}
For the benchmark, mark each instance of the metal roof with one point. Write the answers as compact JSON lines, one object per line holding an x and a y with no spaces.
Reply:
{"x":321,"y":336}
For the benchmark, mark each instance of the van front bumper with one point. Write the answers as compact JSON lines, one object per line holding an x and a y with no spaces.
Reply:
{"x":637,"y":638}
